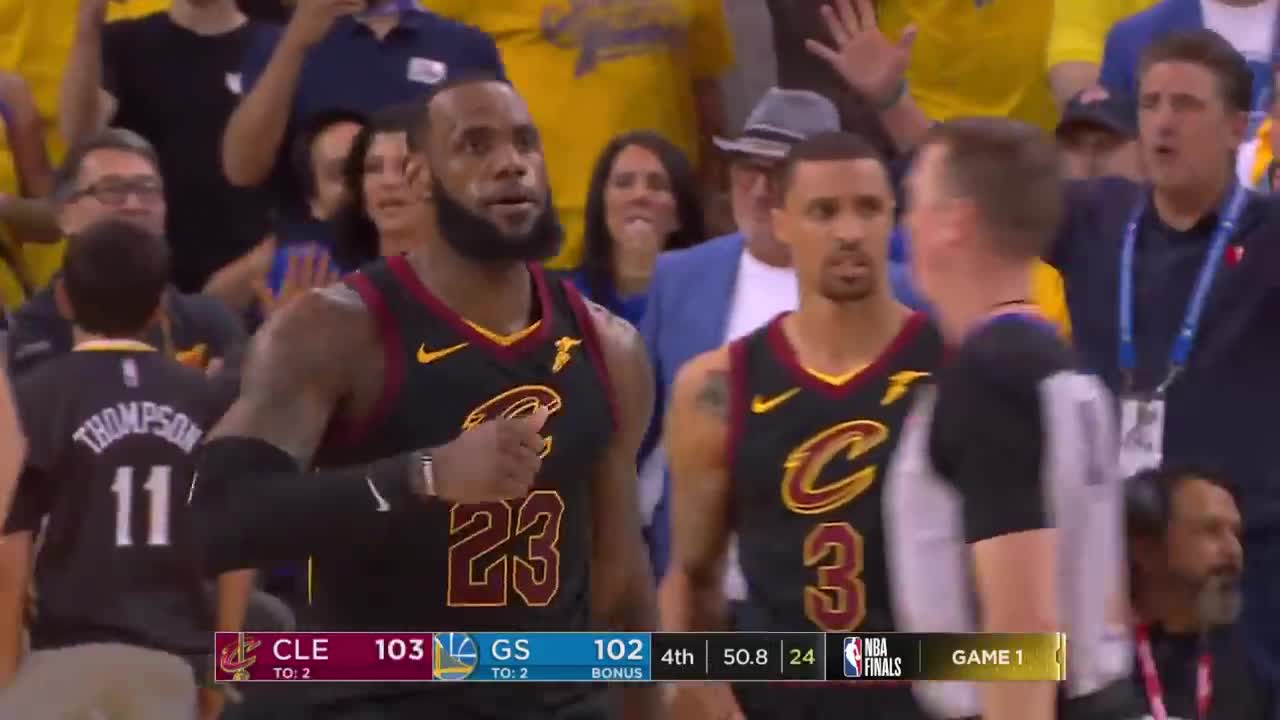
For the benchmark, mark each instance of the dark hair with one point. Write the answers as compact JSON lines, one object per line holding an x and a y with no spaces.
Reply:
{"x":826,"y":147}
{"x":304,"y":142}
{"x":597,"y":261}
{"x":1211,"y":51}
{"x":422,"y":125}
{"x":1149,"y":494}
{"x":1011,"y":172}
{"x":355,"y":236}
{"x":119,"y":139}
{"x":114,"y":275}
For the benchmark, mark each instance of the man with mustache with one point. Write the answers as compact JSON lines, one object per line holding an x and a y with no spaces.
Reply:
{"x":782,"y":438}
{"x":486,"y":422}
{"x":1184,"y":542}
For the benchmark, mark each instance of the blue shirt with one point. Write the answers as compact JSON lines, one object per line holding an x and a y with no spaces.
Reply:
{"x":629,"y":308}
{"x":1221,"y":410}
{"x":1129,"y":38}
{"x":351,"y":69}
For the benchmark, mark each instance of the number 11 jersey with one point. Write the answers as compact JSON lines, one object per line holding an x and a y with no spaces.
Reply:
{"x":807,"y":458}
{"x":112,"y":429}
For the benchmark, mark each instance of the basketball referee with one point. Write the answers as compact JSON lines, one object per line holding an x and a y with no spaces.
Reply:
{"x":1004,"y":511}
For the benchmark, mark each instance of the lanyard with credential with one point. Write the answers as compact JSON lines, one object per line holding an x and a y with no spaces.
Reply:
{"x":1199,"y":293}
{"x":1151,"y":678}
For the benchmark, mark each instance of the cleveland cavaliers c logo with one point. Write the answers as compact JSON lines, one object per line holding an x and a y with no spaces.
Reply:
{"x":801,"y":489}
{"x":514,"y":403}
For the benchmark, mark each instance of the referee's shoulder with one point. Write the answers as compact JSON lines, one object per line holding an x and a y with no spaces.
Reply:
{"x":1014,"y":352}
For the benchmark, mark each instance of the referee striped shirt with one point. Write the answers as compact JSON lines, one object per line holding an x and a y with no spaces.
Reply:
{"x":1011,"y":438}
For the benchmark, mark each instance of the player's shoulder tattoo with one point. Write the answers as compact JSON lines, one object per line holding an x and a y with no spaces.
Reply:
{"x":712,"y":396}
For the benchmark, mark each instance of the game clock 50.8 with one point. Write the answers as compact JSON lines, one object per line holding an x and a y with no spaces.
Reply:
{"x":744,"y":656}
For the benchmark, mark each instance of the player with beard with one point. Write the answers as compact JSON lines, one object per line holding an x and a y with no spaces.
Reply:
{"x":450,"y":434}
{"x":782,"y":438}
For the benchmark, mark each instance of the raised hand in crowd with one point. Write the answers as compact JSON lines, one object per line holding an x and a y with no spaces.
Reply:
{"x":638,"y":249}
{"x":306,"y":270}
{"x":23,"y":130}
{"x":312,"y":19}
{"x":871,"y":63}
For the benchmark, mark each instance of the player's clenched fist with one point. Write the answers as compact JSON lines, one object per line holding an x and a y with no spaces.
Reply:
{"x":494,"y":460}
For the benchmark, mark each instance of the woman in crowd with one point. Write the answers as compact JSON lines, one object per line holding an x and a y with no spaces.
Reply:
{"x":384,"y":215}
{"x":643,"y":199}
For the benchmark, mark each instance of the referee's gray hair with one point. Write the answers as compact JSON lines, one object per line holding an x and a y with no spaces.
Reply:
{"x":114,"y":138}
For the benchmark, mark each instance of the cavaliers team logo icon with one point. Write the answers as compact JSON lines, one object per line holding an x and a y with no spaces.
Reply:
{"x":803,"y":488}
{"x":236,"y":658}
{"x":516,"y":403}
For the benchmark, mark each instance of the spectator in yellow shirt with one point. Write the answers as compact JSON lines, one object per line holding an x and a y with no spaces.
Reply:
{"x":1075,"y":41}
{"x":975,"y":57}
{"x":592,"y":71}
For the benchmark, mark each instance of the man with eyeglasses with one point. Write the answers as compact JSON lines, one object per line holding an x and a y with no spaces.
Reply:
{"x":115,"y":174}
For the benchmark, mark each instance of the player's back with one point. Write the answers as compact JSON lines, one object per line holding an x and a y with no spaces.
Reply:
{"x":807,"y":463}
{"x":112,"y":432}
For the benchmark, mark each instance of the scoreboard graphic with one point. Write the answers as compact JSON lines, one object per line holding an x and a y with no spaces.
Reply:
{"x":636,"y":657}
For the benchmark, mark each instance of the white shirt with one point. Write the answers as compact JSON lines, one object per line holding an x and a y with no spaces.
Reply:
{"x":760,"y":292}
{"x":1250,"y":30}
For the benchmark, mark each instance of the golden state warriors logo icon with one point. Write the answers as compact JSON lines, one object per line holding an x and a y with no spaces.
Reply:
{"x":453,"y":656}
{"x":236,"y":659}
{"x":514,"y":403}
{"x":803,"y":490}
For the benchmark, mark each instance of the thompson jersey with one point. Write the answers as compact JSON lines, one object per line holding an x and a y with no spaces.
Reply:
{"x":519,"y":565}
{"x":112,"y":430}
{"x":1012,"y":438}
{"x":807,"y":463}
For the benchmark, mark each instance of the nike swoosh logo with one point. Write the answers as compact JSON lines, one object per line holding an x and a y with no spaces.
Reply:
{"x":425,"y":357}
{"x":191,"y":493}
{"x":760,"y":406}
{"x":383,"y":505}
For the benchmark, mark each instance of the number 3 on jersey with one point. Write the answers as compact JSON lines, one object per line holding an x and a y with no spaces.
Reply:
{"x":838,"y":601}
{"x":156,"y":486}
{"x":480,"y":576}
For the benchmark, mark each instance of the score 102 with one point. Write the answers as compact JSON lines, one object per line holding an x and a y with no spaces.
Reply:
{"x":619,"y":650}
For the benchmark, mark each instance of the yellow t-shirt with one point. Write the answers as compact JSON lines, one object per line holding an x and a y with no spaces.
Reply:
{"x":1049,"y":296}
{"x":591,"y":71}
{"x":1080,"y":27}
{"x":977,"y":57}
{"x":35,"y":40}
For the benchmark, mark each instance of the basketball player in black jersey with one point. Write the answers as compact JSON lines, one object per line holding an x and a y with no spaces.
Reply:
{"x":121,"y":616}
{"x":782,"y":437}
{"x":472,"y":426}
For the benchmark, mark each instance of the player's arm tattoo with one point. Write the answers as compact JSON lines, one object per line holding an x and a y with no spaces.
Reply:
{"x":293,"y":376}
{"x":622,"y":594}
{"x":713,"y":395}
{"x":696,"y":438}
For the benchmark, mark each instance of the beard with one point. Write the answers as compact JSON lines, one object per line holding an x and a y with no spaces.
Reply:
{"x":477,"y":238}
{"x":1218,"y":599}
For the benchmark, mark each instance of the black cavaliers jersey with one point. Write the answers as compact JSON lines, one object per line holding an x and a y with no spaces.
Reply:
{"x":515,"y":565}
{"x":519,"y":565}
{"x":808,"y":456}
{"x":112,"y":429}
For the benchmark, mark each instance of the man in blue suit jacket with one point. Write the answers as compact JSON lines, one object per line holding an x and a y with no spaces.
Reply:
{"x":706,"y":295}
{"x":1129,"y":38}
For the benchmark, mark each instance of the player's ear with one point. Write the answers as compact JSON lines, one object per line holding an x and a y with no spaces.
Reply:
{"x":60,"y":299}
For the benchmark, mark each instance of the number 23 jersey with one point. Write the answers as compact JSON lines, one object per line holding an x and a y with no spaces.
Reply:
{"x":808,"y":456}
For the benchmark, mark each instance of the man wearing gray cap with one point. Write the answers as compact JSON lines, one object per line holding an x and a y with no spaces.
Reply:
{"x":720,"y":290}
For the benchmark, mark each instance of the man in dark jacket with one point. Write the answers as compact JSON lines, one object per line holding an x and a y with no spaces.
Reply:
{"x":115,"y":174}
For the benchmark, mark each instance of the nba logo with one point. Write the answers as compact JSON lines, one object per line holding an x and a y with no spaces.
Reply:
{"x":853,"y":657}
